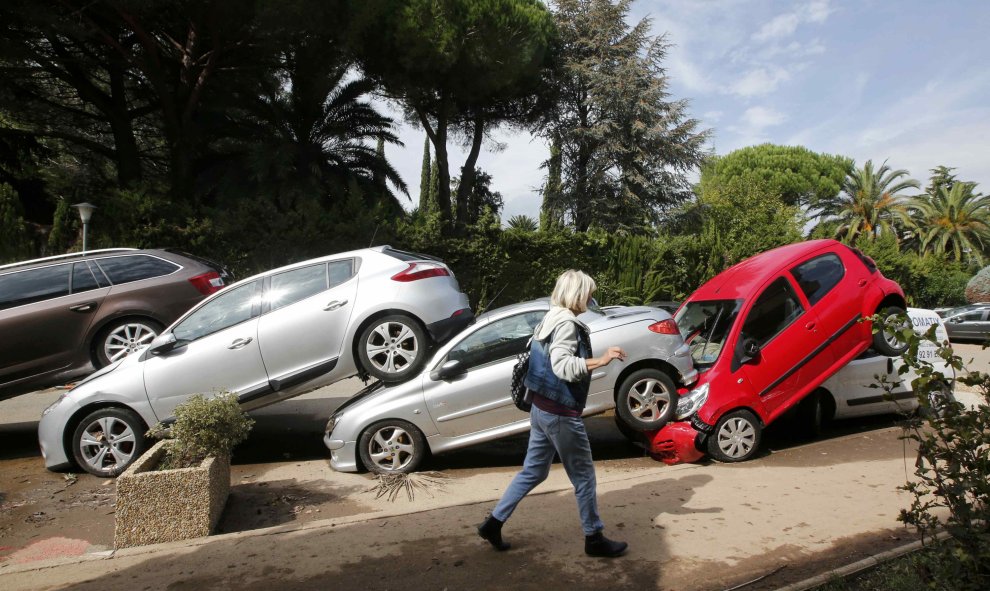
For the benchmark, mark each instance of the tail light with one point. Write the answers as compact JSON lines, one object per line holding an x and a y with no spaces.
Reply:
{"x":207,"y":283}
{"x":417,"y":271}
{"x":667,"y":326}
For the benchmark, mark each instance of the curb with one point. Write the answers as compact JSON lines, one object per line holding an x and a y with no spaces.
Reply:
{"x":858,"y":566}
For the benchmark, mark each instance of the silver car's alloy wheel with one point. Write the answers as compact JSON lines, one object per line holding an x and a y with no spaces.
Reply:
{"x":107,"y":444}
{"x":391,"y":449}
{"x":392,"y":347}
{"x":126,"y":339}
{"x":736,"y":438}
{"x":647,"y":399}
{"x":890,"y":336}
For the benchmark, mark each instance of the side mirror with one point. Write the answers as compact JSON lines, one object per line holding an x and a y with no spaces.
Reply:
{"x":449,"y":369}
{"x":163,"y":343}
{"x":749,"y":350}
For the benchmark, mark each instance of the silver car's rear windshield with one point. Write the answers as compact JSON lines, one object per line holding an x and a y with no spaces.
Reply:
{"x":705,"y":326}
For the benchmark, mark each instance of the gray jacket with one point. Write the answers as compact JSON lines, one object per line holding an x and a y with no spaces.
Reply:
{"x":560,"y":322}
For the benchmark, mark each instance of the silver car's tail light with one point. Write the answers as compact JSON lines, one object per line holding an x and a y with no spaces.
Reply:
{"x":417,"y":271}
{"x":667,"y":326}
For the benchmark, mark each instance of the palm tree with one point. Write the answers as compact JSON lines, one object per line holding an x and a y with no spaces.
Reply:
{"x":313,"y":133}
{"x":524,"y":223}
{"x":869,"y":202}
{"x":954,"y":221}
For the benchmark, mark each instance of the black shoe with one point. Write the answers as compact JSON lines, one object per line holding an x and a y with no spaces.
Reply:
{"x":491,"y":530}
{"x":598,"y":545}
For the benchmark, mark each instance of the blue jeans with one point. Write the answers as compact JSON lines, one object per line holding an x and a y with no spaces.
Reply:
{"x":565,"y":435}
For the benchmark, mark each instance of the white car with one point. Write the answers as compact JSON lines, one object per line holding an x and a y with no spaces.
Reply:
{"x":848,"y":393}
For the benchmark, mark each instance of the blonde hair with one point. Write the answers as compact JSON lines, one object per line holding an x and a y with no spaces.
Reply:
{"x":573,"y":290}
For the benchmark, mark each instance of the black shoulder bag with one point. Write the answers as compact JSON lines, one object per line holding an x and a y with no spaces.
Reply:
{"x":521,"y":396}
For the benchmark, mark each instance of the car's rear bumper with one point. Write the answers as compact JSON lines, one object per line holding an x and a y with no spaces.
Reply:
{"x":675,"y":443}
{"x":443,"y":330}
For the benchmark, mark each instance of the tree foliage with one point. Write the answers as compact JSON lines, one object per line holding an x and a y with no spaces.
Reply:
{"x":870,"y":203}
{"x":794,"y":173}
{"x":459,"y":67}
{"x":955,"y":221}
{"x":623,"y":144}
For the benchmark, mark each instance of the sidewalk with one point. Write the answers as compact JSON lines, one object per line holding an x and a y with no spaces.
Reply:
{"x":708,"y":526}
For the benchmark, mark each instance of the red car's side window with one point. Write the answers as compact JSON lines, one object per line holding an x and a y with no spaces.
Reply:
{"x":818,"y":276}
{"x":776,"y":308}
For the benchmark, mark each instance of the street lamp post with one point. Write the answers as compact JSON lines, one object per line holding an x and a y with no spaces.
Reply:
{"x":85,"y":213}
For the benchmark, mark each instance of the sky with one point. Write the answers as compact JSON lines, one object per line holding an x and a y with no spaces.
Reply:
{"x":906,"y":81}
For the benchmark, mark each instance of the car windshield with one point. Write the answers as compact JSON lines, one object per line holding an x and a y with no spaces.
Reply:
{"x":705,"y":326}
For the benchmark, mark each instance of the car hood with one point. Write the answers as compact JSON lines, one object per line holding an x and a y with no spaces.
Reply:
{"x":370,"y":390}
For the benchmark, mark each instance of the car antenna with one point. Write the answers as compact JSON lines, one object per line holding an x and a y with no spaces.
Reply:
{"x":373,"y":234}
{"x":496,"y":297}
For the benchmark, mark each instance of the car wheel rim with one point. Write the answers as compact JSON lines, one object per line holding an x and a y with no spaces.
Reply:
{"x":126,"y":339}
{"x":107,"y":443}
{"x":392,"y":347}
{"x":647,"y":400}
{"x":889,"y":335}
{"x":736,"y":438}
{"x":391,"y":449}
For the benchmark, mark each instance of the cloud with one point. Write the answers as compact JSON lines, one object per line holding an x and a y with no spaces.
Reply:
{"x":758,"y":118}
{"x":784,"y":25}
{"x":759,"y":81}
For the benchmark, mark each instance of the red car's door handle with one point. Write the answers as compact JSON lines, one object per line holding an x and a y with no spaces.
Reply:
{"x":810,"y":326}
{"x":861,"y":283}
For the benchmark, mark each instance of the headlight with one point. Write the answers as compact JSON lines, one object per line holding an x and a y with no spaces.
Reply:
{"x":332,"y":423}
{"x":52,"y":406}
{"x":691,"y":402}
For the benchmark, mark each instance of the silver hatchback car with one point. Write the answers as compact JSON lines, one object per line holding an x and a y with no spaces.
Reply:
{"x":276,"y":335}
{"x":462,"y":396}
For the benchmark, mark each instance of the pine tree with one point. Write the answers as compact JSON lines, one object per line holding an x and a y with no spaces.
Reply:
{"x":626,"y":146}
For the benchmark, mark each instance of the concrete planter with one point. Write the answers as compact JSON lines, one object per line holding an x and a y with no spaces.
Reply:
{"x":156,"y":506}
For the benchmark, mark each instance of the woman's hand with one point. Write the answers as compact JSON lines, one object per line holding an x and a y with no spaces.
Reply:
{"x":612,"y":353}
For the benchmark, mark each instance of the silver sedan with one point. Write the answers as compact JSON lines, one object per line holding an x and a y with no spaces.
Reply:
{"x":462,"y":396}
{"x":375,"y":311}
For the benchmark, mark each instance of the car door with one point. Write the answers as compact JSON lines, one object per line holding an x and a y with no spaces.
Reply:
{"x":217,"y":350}
{"x":302,"y":331}
{"x":790,"y":354}
{"x":825,"y":281}
{"x":46,"y":313}
{"x":478,"y":398}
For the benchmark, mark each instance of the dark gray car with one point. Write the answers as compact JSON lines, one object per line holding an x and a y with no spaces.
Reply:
{"x":62,"y":317}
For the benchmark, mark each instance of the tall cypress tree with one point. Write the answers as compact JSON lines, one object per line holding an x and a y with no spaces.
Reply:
{"x":425,"y":179}
{"x":434,"y":198}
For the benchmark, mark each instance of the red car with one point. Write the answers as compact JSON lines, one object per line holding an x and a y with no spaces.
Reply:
{"x":764,"y":334}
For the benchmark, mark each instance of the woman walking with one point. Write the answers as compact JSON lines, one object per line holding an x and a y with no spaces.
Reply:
{"x":559,"y":376}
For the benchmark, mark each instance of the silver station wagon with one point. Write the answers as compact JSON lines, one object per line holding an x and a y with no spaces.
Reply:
{"x":462,"y":396}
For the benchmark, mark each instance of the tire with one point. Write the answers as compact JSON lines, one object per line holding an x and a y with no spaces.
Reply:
{"x":635,"y":436}
{"x":392,"y":447}
{"x":123,"y":337}
{"x":108,"y":440}
{"x":736,"y":437}
{"x":393,"y":348}
{"x":811,"y":415}
{"x":886,"y":343}
{"x":647,"y":400}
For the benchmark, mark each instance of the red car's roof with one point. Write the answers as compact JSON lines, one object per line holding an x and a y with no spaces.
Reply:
{"x":743,"y":279}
